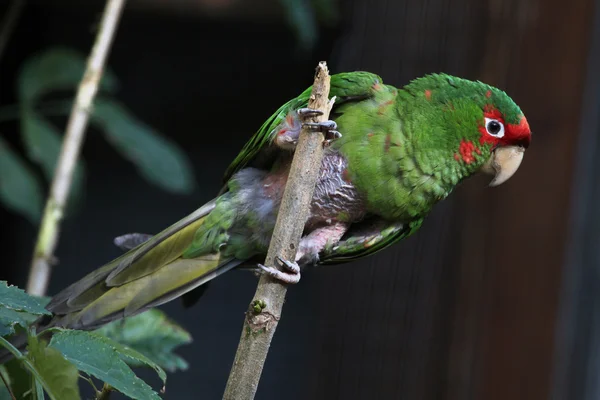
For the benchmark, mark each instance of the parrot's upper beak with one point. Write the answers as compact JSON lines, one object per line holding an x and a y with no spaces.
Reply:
{"x":503,"y":163}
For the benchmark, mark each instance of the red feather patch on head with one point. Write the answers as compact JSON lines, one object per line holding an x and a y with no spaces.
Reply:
{"x":514,"y":134}
{"x":428,"y":94}
{"x":520,"y":133}
{"x":466,"y":149}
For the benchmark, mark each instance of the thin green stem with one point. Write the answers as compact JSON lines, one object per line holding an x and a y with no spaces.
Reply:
{"x":27,"y":363}
{"x":105,"y":393}
{"x":7,"y":386}
{"x":90,"y":381}
{"x":49,"y":232}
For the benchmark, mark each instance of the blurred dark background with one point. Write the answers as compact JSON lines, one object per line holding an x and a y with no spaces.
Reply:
{"x":497,"y":297}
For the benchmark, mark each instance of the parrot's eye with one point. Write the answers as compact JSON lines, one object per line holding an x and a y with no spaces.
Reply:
{"x":494,"y":127}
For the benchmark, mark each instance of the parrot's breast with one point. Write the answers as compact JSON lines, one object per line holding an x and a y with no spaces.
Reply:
{"x":335,"y":198}
{"x":257,"y":196}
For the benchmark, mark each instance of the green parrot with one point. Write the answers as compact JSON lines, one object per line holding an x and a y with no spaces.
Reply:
{"x":390,"y":155}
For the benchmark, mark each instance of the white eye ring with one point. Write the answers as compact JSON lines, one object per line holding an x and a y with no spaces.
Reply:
{"x":494,"y":127}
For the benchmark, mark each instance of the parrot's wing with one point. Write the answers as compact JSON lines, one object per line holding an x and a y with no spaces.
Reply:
{"x":366,"y":239}
{"x":346,"y":87}
{"x":142,"y":260}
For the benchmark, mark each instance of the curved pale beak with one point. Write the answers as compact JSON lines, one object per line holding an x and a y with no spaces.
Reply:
{"x":503,"y":163}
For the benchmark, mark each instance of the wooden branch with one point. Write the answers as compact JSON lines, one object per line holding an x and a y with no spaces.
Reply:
{"x":265,"y":309}
{"x":39,"y":273}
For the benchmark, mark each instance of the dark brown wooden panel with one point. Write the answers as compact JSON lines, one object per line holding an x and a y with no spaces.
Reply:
{"x":467,"y":308}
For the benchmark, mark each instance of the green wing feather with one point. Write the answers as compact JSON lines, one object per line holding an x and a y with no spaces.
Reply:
{"x":150,"y":274}
{"x":358,"y":244}
{"x":347,"y":86}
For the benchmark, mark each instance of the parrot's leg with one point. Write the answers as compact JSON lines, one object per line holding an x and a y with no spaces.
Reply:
{"x":328,"y":128}
{"x":316,"y":241}
{"x":131,"y":240}
{"x":289,"y":132}
{"x":308,"y":112}
{"x":308,"y":252}
{"x":291,"y":276}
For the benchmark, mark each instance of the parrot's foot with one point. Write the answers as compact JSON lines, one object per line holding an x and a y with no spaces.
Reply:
{"x":291,"y":276}
{"x":330,"y":136}
{"x":308,"y":112}
{"x":288,"y":132}
{"x":329,"y":129}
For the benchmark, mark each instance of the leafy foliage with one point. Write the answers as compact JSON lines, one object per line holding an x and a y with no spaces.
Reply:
{"x":59,"y":376}
{"x":152,"y":334}
{"x":19,"y":379}
{"x":53,"y":72}
{"x":109,"y":353}
{"x":43,"y":143}
{"x":20,"y":190}
{"x":56,"y":69}
{"x":157,"y":159}
{"x":17,"y":308}
{"x":106,"y":360}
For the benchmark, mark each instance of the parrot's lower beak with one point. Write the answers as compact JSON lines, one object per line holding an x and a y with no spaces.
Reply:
{"x":503,"y":163}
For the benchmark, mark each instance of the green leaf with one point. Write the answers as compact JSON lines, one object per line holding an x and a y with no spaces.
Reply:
{"x":106,"y":359}
{"x":17,"y":308}
{"x":157,"y":158}
{"x":57,"y":68}
{"x":11,"y":318}
{"x":60,"y":377}
{"x":20,"y":379}
{"x":44,"y":142}
{"x":20,"y":190}
{"x":152,"y":334}
{"x":16,"y":299}
{"x":4,"y":394}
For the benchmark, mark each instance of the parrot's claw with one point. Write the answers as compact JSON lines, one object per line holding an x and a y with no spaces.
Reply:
{"x":324,"y":126}
{"x":308,"y":112}
{"x":330,"y":136}
{"x":292,"y":266}
{"x":291,"y":277}
{"x":328,"y":128}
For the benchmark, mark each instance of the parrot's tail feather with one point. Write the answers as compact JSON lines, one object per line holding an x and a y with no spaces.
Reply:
{"x":148,"y":292}
{"x":147,"y":255}
{"x":172,"y":281}
{"x":175,"y":293}
{"x":148,"y":275}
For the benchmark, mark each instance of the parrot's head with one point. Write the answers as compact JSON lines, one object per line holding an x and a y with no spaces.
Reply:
{"x":482,"y":127}
{"x":504,"y":130}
